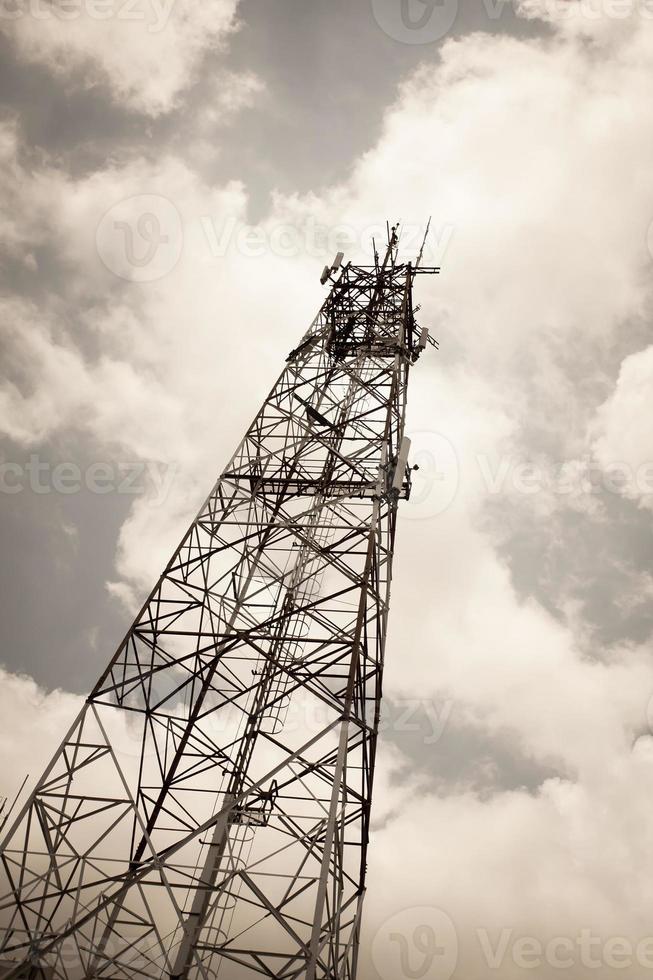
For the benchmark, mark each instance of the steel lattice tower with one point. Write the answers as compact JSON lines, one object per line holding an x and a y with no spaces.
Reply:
{"x":190,"y":825}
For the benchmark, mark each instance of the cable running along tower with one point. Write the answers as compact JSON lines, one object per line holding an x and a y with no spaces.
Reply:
{"x":207,"y":814}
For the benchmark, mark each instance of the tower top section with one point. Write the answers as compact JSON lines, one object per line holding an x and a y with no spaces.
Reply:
{"x":370,"y":307}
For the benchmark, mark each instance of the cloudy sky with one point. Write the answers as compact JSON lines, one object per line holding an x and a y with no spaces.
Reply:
{"x":175,"y":176}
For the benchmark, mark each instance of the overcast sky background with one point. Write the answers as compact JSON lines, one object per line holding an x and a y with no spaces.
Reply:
{"x":175,"y":177}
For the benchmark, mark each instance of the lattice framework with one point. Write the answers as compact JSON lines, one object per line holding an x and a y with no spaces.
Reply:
{"x":208,"y":812}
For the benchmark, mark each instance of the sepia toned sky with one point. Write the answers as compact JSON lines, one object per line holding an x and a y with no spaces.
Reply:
{"x":175,"y":175}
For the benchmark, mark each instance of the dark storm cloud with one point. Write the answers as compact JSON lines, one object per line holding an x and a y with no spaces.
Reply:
{"x":330,"y":71}
{"x":78,"y":124}
{"x":457,"y":756}
{"x":591,"y":557}
{"x":329,"y":68}
{"x":59,"y":623}
{"x":595,"y":564}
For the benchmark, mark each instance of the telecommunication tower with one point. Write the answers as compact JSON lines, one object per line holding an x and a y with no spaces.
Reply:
{"x":208,"y":812}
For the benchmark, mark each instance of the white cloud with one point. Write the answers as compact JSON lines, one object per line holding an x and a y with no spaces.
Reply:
{"x":45,"y":383}
{"x":604,"y":22}
{"x":21,"y":226}
{"x":623,"y":440}
{"x":173,"y":352}
{"x":231,"y":93}
{"x":33,"y":724}
{"x":147,"y":52}
{"x":572,"y":860}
